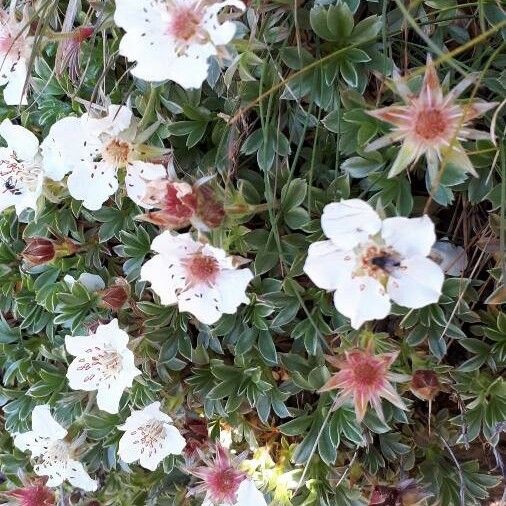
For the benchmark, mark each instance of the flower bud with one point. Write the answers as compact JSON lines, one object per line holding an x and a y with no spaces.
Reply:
{"x":425,"y":384}
{"x":115,"y":296}
{"x":40,"y":250}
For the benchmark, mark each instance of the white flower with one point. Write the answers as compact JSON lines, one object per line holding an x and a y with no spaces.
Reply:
{"x":20,"y":174}
{"x":15,"y":51}
{"x":173,"y":39}
{"x":149,"y":437}
{"x":199,"y":278}
{"x":368,"y":261}
{"x":53,"y":456}
{"x":103,"y":363}
{"x":92,"y":282}
{"x":92,"y":150}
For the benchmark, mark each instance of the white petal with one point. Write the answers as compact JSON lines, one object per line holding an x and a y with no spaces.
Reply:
{"x":56,"y":471}
{"x":203,"y":302}
{"x":350,"y":222}
{"x":166,"y":277}
{"x":113,"y":335}
{"x":153,"y":411}
{"x":128,"y":450}
{"x":78,"y":477}
{"x":452,"y":259}
{"x":118,"y":119}
{"x":93,"y":183}
{"x":30,"y":441}
{"x":409,"y":236}
{"x":143,"y":16}
{"x":13,"y":92}
{"x":221,"y":33}
{"x":66,"y":147}
{"x":232,"y":284}
{"x":249,"y":495}
{"x":109,"y":396}
{"x":417,"y":283}
{"x":327,"y":265}
{"x":362,"y":299}
{"x":44,"y":424}
{"x":175,"y":245}
{"x":138,"y":175}
{"x":20,"y":140}
{"x":80,"y":345}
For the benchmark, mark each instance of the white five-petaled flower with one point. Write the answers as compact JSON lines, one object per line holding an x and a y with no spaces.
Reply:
{"x":103,"y":363}
{"x":368,"y":261}
{"x":92,"y":150}
{"x":21,"y":176}
{"x":15,"y":51}
{"x":199,"y":278}
{"x":173,"y":39}
{"x":149,"y":437}
{"x":53,"y":456}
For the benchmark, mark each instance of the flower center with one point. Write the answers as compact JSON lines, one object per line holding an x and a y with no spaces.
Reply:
{"x":150,"y":436}
{"x":184,"y":24}
{"x":107,"y":364}
{"x":367,"y":374}
{"x":223,"y":484}
{"x":58,"y":452}
{"x":117,"y":152}
{"x":377,"y":262}
{"x":201,"y":269}
{"x":430,"y":123}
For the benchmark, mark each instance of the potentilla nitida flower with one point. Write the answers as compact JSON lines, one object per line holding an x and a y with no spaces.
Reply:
{"x":174,"y":39}
{"x":149,"y":437}
{"x":33,"y":493}
{"x":224,"y":484}
{"x":199,"y":278}
{"x":368,"y":261}
{"x":53,"y":455}
{"x":94,"y":150}
{"x":181,"y":205}
{"x":364,"y":378}
{"x":103,"y":363}
{"x":15,"y":52}
{"x":431,"y":124}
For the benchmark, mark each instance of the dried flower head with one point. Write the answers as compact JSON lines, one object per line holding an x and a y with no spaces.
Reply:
{"x":182,"y":205}
{"x":33,"y":493}
{"x":364,"y":378}
{"x":431,"y":124}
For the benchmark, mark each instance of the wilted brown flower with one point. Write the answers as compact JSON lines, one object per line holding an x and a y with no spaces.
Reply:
{"x":182,"y":205}
{"x":425,"y":384}
{"x":33,"y":493}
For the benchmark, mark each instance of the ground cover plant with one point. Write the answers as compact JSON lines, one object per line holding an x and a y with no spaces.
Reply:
{"x":252,"y":252}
